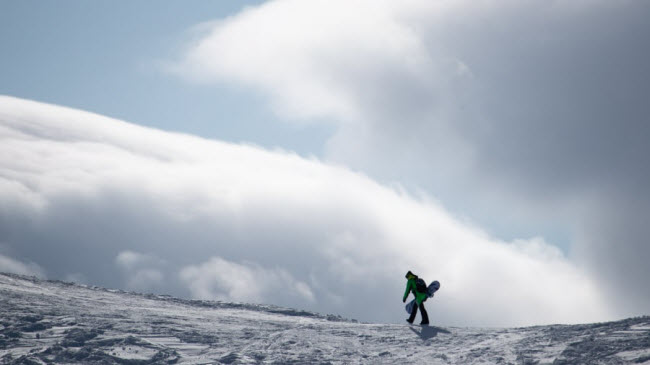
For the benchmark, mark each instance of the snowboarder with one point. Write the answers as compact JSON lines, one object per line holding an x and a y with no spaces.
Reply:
{"x":420,"y":296}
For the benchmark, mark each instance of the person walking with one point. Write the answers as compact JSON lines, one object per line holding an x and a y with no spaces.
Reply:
{"x":420,"y":293}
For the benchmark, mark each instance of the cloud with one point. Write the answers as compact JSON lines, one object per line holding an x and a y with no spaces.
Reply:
{"x":525,"y":90}
{"x":309,"y":66}
{"x":144,"y":280}
{"x":10,"y":265}
{"x":76,"y":278}
{"x":134,"y":207}
{"x":140,"y":270}
{"x":130,"y":260}
{"x":528,"y":117}
{"x":224,"y":280}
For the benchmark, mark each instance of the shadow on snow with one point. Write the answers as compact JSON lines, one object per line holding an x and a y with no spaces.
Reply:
{"x":427,"y":332}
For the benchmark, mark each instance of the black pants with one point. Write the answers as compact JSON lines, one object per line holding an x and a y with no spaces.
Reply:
{"x":414,"y":312}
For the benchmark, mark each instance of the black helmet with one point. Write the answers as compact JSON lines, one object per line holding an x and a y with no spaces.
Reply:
{"x":410,"y":274}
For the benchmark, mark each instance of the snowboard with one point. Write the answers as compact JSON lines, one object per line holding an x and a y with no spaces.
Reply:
{"x":409,"y":306}
{"x":432,"y":288}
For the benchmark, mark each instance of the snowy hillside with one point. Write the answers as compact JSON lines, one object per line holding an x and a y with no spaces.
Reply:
{"x":56,"y":322}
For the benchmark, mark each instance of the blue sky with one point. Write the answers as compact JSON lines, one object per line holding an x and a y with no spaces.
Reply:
{"x":109,"y":57}
{"x":521,"y":127}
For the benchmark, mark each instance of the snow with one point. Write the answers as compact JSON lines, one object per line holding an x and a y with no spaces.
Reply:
{"x":55,"y":322}
{"x":640,"y":327}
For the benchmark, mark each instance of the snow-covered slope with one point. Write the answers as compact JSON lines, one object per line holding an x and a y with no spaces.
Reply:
{"x":56,"y":322}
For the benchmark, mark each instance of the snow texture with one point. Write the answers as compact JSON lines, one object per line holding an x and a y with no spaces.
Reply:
{"x":57,"y":322}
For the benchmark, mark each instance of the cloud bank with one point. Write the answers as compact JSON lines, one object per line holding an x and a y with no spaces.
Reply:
{"x":528,"y":116}
{"x":218,"y":278}
{"x":138,"y":208}
{"x":10,"y":265}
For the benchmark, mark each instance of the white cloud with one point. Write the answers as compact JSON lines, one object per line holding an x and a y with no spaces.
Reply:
{"x":132,"y":260}
{"x":140,"y":270}
{"x":145,"y":280}
{"x":205,"y":218}
{"x":128,"y":259}
{"x":10,"y":265}
{"x":308,"y":51}
{"x":528,"y":116}
{"x":224,"y":280}
{"x":76,"y":278}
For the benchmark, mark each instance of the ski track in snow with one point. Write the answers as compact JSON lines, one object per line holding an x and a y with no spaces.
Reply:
{"x":55,"y":322}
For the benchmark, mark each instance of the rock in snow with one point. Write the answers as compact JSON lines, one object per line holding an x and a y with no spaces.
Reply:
{"x":56,"y":322}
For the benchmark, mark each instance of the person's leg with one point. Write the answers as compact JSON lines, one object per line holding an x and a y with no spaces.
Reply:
{"x":414,"y":311}
{"x":424,"y":314}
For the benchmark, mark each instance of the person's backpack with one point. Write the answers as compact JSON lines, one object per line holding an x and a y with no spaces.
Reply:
{"x":420,"y":285}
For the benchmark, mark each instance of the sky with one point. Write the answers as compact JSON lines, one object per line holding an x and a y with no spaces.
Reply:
{"x":309,"y":153}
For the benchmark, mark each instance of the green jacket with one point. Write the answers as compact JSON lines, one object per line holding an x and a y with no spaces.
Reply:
{"x":410,"y":287}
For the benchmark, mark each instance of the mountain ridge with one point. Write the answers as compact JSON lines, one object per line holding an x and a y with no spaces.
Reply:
{"x":50,"y":321}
